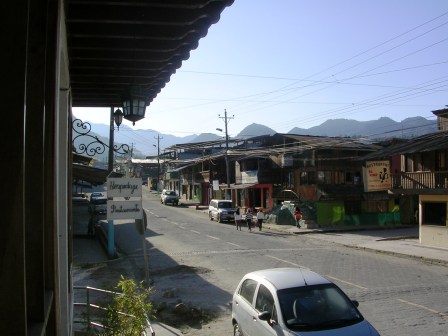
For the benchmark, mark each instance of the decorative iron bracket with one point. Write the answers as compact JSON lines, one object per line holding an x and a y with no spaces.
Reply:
{"x":81,"y":134}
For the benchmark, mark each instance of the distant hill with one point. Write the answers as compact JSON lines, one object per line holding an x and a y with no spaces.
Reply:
{"x":144,"y":142}
{"x":375,"y":129}
{"x":255,"y":130}
{"x":204,"y":137}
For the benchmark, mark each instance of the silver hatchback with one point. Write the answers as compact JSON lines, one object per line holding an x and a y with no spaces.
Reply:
{"x":294,"y":301}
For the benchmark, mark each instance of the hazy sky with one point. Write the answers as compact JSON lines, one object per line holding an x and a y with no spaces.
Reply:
{"x":297,"y":63}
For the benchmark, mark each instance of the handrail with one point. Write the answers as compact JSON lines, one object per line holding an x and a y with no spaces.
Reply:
{"x":90,"y":305}
{"x":420,"y":180}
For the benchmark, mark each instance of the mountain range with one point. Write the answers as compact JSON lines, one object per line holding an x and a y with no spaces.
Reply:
{"x":145,"y":142}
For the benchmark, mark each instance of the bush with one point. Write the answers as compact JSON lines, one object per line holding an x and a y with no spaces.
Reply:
{"x":128,"y":314}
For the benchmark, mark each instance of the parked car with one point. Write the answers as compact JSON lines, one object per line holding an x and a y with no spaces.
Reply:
{"x":79,"y":198}
{"x":95,"y":195}
{"x":98,"y":206}
{"x":221,"y":210}
{"x":169,"y":196}
{"x":294,"y":301}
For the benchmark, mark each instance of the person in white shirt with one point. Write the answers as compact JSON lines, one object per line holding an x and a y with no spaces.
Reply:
{"x":238,"y":218}
{"x":260,"y":218}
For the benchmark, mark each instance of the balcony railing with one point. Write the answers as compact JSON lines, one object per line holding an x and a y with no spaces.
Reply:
{"x":420,"y":180}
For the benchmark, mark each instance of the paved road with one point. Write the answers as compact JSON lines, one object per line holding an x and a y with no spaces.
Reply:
{"x":201,"y":262}
{"x":198,"y":261}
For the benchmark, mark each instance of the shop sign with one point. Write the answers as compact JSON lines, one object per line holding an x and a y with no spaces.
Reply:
{"x":377,"y":176}
{"x":124,"y":187}
{"x":249,"y":176}
{"x":124,"y":210}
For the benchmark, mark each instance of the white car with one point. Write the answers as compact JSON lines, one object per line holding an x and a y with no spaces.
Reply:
{"x":294,"y":301}
{"x":221,"y":210}
{"x":169,"y":196}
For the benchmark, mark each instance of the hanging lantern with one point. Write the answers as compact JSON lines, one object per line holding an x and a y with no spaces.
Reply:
{"x":134,"y":105}
{"x":118,"y":117}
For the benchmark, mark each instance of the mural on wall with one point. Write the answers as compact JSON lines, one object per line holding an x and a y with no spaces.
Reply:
{"x":377,"y":175}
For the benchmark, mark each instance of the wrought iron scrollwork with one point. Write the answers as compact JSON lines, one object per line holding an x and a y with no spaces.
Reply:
{"x":81,"y":132}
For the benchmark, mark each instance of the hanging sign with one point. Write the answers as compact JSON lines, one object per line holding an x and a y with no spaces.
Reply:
{"x":124,"y":210}
{"x":124,"y":187}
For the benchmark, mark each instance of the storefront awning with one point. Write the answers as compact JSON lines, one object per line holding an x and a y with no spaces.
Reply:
{"x":92,"y":175}
{"x":238,"y":186}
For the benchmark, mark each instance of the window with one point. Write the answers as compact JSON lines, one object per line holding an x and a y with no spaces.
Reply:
{"x":441,"y":160}
{"x":247,"y":290}
{"x":434,"y":213}
{"x":265,"y":301}
{"x":320,"y":177}
{"x":303,"y":178}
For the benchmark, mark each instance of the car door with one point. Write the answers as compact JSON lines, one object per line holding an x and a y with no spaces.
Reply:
{"x":264,"y":301}
{"x":243,"y":306}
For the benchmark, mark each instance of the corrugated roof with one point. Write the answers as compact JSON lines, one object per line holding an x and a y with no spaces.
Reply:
{"x":424,"y":143}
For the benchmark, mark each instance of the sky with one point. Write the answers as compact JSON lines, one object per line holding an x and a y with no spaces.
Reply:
{"x":298,"y":63}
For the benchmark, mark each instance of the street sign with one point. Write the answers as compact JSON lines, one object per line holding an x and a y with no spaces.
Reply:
{"x":124,"y":187}
{"x":124,"y":210}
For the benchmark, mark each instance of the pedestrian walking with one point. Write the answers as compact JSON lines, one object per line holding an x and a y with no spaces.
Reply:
{"x":298,"y":216}
{"x":260,"y":218}
{"x":249,"y":216}
{"x":238,"y":219}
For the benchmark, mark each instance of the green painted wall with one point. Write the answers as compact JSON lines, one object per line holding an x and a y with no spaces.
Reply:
{"x":333,"y":213}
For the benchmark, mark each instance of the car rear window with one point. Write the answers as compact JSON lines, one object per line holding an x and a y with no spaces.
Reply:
{"x":224,"y":205}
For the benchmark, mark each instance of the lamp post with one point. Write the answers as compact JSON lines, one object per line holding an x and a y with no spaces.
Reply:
{"x":116,"y":117}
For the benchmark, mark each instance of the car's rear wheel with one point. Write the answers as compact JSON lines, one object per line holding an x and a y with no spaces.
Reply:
{"x":236,"y":330}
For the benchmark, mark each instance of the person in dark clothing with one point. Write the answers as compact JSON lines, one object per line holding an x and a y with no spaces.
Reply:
{"x":249,"y":216}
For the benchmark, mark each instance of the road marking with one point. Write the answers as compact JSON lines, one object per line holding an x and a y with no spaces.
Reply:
{"x":346,"y":282}
{"x":286,"y":261}
{"x":213,"y":237}
{"x":424,"y":307}
{"x":233,"y":244}
{"x":195,"y":231}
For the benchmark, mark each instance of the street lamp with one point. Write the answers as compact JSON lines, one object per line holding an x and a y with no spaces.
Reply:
{"x":116,"y":117}
{"x":134,"y":104}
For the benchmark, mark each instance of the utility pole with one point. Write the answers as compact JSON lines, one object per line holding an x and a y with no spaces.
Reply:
{"x":132,"y":149}
{"x":226,"y":120}
{"x":158,"y":159}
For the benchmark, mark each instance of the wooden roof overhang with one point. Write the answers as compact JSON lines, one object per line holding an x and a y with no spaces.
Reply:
{"x":116,"y":44}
